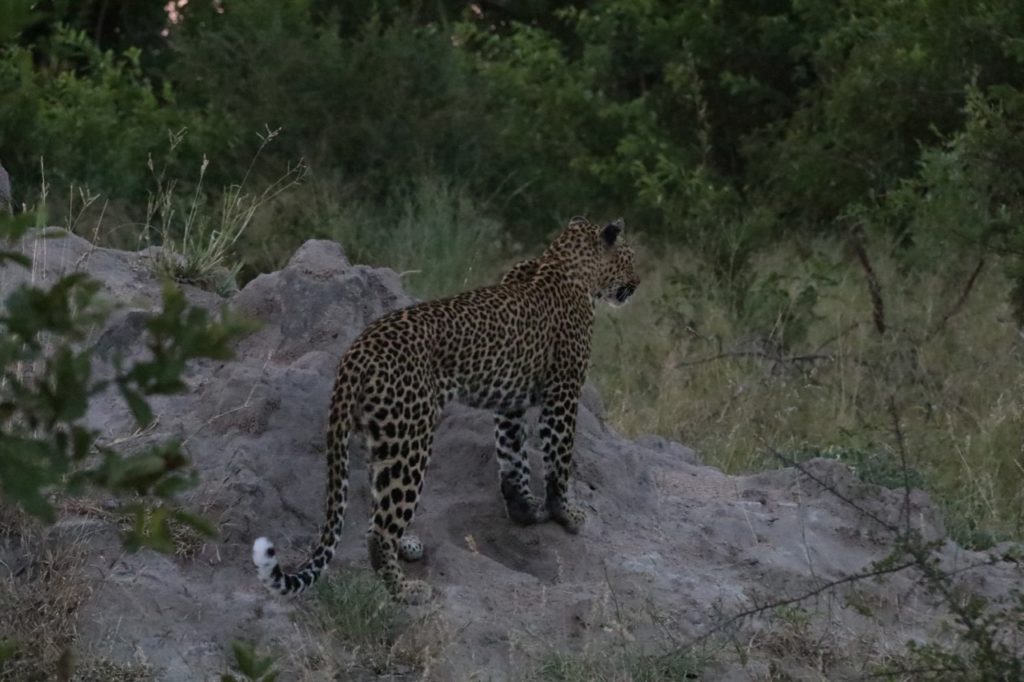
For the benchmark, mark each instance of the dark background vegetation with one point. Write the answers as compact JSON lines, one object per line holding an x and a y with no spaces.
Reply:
{"x":829,"y":194}
{"x":733,"y":123}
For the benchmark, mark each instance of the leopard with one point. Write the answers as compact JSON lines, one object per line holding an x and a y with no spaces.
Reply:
{"x":524,"y":342}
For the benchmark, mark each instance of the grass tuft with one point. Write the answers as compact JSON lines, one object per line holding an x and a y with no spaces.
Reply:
{"x":196,"y":241}
{"x":357,"y":609}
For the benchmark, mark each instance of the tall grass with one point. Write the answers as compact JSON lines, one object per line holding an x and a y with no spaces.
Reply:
{"x":797,"y":362}
{"x":431,"y":232}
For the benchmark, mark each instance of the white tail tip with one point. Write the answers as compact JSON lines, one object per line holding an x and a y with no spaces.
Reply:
{"x":264,"y":557}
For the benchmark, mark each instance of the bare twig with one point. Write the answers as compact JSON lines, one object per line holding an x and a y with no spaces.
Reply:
{"x":876,"y":572}
{"x":901,"y":448}
{"x":960,"y":301}
{"x":996,"y":659}
{"x":874,"y":288}
{"x":790,"y":462}
{"x":761,"y":355}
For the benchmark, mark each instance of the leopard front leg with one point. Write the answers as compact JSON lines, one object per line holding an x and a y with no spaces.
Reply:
{"x":521,"y":505}
{"x":557,"y":433}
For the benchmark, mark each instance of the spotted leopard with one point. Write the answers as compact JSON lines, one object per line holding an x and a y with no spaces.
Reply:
{"x":520,"y":343}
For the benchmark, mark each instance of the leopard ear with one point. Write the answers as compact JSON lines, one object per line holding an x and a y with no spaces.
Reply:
{"x":610,"y":233}
{"x":578,"y":220}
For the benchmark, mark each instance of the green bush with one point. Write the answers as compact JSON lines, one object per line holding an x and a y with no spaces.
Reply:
{"x":375,"y":97}
{"x":91,"y":117}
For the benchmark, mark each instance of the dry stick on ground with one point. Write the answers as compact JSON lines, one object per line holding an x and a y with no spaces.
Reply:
{"x":879,"y":571}
{"x":910,"y":552}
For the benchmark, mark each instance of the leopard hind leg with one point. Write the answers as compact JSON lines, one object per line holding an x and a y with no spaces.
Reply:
{"x":521,"y":505}
{"x":399,"y":452}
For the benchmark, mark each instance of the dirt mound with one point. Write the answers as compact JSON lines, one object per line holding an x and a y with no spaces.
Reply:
{"x":671,"y":547}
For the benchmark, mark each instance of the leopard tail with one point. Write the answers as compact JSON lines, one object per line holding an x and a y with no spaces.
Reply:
{"x":263,"y":553}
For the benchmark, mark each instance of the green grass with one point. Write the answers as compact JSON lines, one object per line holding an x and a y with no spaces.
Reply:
{"x":431,"y":233}
{"x":366,"y":630}
{"x":356,"y":609}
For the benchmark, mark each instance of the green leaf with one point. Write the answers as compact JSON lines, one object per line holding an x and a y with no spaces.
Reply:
{"x":14,"y":257}
{"x":81,"y":442}
{"x":149,"y":529}
{"x":245,"y":657}
{"x":32,"y":310}
{"x":8,"y":647}
{"x":137,"y":404}
{"x":144,"y":473}
{"x":195,"y":522}
{"x":71,"y":384}
{"x":169,"y":486}
{"x":27,"y":469}
{"x":250,"y":665}
{"x":13,"y":228}
{"x":263,"y":667}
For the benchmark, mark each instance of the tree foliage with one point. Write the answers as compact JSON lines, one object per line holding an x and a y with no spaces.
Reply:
{"x":727,"y":125}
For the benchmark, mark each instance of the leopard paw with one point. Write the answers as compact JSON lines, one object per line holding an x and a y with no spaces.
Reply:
{"x":410,"y":548}
{"x":526,"y":510}
{"x":413,"y":592}
{"x":569,"y":516}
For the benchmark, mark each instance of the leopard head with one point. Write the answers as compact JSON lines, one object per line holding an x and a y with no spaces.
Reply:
{"x":597,"y":255}
{"x":602,"y":259}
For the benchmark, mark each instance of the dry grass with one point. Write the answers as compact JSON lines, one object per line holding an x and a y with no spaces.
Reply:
{"x":792,"y":641}
{"x":684,"y":362}
{"x":41,"y":588}
{"x":102,"y":670}
{"x":616,"y":641}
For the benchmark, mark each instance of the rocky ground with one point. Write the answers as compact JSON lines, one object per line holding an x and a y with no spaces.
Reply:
{"x":671,"y":549}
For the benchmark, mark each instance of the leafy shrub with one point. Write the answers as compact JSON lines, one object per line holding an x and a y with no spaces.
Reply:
{"x":47,"y":384}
